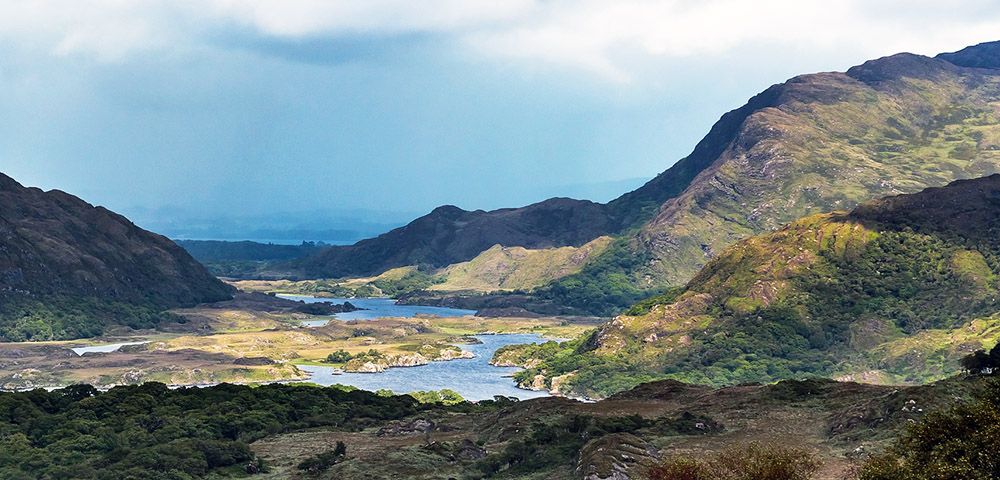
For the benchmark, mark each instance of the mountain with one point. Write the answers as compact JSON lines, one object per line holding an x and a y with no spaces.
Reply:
{"x":829,"y":141}
{"x":816,"y":143}
{"x":450,"y":235}
{"x":895,"y":291}
{"x":69,"y":269}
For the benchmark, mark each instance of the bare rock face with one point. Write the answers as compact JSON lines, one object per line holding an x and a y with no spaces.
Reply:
{"x":412,"y":360}
{"x":366,"y":367}
{"x":619,"y":456}
{"x":454,"y":354}
{"x":468,"y":450}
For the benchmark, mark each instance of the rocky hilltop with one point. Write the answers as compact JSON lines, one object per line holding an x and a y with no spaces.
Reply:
{"x":69,"y":269}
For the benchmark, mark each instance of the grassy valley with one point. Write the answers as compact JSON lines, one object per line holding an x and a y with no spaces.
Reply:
{"x":258,"y":339}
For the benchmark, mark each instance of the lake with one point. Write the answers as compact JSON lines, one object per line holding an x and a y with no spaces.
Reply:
{"x":377,"y":308}
{"x":474,"y":379}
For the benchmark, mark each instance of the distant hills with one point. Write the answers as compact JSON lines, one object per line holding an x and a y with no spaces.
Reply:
{"x":69,"y":269}
{"x":815,"y":143}
{"x":450,"y":235}
{"x":896,"y":291}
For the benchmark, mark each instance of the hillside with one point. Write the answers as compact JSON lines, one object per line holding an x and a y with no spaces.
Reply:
{"x":895,"y":291}
{"x":816,"y":143}
{"x":813,"y":144}
{"x":830,"y":141}
{"x":277,"y":427}
{"x":69,"y":269}
{"x":517,"y":268}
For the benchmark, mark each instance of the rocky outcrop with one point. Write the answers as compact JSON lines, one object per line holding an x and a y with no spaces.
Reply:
{"x":417,"y":426}
{"x":367,"y":363}
{"x":618,"y":456}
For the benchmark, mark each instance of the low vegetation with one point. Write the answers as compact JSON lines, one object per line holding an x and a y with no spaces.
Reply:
{"x":752,"y":461}
{"x":323,"y":461}
{"x":604,"y":286}
{"x":502,"y":268}
{"x":392,"y":283}
{"x":64,"y":317}
{"x":959,"y":443}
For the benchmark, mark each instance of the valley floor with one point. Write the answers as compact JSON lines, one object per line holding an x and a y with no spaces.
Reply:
{"x":254,"y":338}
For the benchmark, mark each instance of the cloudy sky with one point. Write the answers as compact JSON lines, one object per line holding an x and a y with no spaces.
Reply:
{"x":260,"y":106}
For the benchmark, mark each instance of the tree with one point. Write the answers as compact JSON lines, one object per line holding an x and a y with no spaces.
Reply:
{"x":977,"y":362}
{"x":955,"y":444}
{"x":325,"y":460}
{"x":340,"y":356}
{"x":995,"y":357}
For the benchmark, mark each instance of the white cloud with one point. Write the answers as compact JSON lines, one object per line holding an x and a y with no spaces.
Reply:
{"x":590,"y":35}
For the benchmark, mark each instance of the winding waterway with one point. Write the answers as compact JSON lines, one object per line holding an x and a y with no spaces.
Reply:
{"x":474,"y":379}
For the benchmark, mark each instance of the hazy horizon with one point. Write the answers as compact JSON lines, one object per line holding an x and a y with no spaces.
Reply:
{"x":250,"y":108}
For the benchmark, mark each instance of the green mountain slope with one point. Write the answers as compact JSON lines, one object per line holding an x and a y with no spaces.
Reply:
{"x":897,"y":290}
{"x":813,"y":144}
{"x":69,"y":269}
{"x":832,"y":140}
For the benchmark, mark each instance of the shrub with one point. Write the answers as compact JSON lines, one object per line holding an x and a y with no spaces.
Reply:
{"x":980,"y":362}
{"x":955,"y":444}
{"x":340,"y":356}
{"x":323,"y":461}
{"x":751,"y":461}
